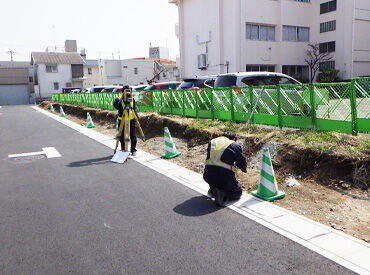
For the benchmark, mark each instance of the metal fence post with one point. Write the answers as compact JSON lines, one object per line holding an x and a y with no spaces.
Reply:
{"x":212,"y":107}
{"x":280,"y":112}
{"x":251,"y":99}
{"x":196,"y":104}
{"x":161,"y":107}
{"x":313,"y":106}
{"x":353,"y":107}
{"x":183,"y":103}
{"x":232,"y":105}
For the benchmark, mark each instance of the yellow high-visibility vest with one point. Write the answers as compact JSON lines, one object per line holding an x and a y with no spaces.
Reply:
{"x":131,"y":114}
{"x":218,"y":147}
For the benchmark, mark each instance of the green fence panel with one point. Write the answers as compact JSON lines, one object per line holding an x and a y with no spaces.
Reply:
{"x":343,"y":107}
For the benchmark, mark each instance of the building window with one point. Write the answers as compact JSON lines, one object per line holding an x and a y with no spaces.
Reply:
{"x":293,"y":33}
{"x":56,"y":85}
{"x":297,"y":71}
{"x":260,"y":32}
{"x":51,"y":68}
{"x":30,"y":79}
{"x":327,"y":47}
{"x":328,"y":26}
{"x":136,"y":70}
{"x":89,"y":70}
{"x":125,"y":67}
{"x":260,"y":68}
{"x":69,"y":84}
{"x":307,"y":1}
{"x":164,"y":74}
{"x":328,"y":6}
{"x":328,"y":65}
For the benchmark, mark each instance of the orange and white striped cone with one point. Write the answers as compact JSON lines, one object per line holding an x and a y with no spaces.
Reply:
{"x":267,"y":187}
{"x":169,"y":146}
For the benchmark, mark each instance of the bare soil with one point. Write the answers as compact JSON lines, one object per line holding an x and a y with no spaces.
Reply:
{"x":334,"y":186}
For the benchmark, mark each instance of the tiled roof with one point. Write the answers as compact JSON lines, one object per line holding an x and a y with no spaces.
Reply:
{"x":163,"y":61}
{"x":91,"y":62}
{"x":56,"y":58}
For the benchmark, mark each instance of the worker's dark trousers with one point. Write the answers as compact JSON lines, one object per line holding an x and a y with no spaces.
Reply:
{"x":218,"y":178}
{"x":133,"y":139}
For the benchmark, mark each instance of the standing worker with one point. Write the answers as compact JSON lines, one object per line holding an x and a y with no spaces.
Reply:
{"x":224,"y":155}
{"x":120,"y":105}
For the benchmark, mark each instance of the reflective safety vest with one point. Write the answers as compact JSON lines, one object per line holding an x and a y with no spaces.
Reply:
{"x":218,"y":147}
{"x":131,"y":113}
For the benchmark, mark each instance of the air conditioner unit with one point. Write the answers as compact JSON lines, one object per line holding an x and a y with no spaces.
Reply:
{"x":202,"y":61}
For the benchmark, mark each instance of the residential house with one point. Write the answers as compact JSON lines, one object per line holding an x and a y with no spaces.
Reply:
{"x":92,"y":74}
{"x":16,"y":83}
{"x":219,"y":36}
{"x":55,"y":70}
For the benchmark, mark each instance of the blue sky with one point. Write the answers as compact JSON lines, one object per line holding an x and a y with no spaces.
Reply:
{"x":102,"y":27}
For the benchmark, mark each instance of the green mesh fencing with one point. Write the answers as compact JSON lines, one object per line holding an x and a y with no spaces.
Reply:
{"x":342,"y":107}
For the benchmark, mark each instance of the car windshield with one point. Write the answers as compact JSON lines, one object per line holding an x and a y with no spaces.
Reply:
{"x":108,"y":90}
{"x":185,"y":85}
{"x":225,"y":81}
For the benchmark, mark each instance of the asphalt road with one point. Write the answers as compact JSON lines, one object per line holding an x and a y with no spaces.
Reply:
{"x":82,"y":214}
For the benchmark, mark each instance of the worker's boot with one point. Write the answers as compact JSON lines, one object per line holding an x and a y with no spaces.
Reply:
{"x":220,"y":197}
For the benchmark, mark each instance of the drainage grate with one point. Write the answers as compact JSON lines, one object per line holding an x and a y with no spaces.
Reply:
{"x":27,"y":158}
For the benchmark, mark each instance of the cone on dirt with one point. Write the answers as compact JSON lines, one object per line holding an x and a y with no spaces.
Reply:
{"x":90,"y":123}
{"x":117,"y":129}
{"x":169,"y":147}
{"x":52,"y":108}
{"x":267,"y":187}
{"x":62,"y":114}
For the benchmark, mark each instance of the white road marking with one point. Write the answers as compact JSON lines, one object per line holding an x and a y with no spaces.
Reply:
{"x":50,"y":152}
{"x":312,"y":235}
{"x":107,"y":226}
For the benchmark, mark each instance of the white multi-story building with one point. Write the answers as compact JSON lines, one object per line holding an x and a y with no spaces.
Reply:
{"x":219,"y":36}
{"x":137,"y":71}
{"x":92,"y":73}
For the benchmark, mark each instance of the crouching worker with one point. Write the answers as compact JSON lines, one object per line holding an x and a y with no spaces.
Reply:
{"x":119,"y":104}
{"x":224,"y":155}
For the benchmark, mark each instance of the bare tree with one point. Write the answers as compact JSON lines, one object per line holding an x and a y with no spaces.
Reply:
{"x":158,"y":68}
{"x":314,"y":58}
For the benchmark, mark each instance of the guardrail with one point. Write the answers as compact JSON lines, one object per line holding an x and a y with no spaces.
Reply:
{"x":341,"y":107}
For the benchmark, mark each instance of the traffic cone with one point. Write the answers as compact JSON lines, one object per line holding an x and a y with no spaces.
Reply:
{"x":52,"y":108}
{"x":117,"y":129}
{"x":169,"y":147}
{"x":267,"y":187}
{"x":62,"y":114}
{"x":90,"y":123}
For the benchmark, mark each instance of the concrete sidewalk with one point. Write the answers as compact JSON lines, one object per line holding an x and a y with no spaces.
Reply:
{"x":341,"y":248}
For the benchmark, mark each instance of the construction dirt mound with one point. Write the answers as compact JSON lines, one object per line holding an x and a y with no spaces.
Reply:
{"x":329,"y":187}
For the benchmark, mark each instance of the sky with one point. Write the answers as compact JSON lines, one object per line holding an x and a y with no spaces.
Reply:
{"x":102,"y":27}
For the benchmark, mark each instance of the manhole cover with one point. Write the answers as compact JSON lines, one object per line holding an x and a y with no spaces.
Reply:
{"x":27,"y":158}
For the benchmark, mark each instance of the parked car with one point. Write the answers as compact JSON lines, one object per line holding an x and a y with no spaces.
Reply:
{"x":69,"y":90}
{"x":294,"y":100}
{"x":162,"y":86}
{"x":145,"y":96}
{"x":138,"y":87}
{"x":253,"y":79}
{"x":114,"y":89}
{"x":197,"y":83}
{"x":98,"y":89}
